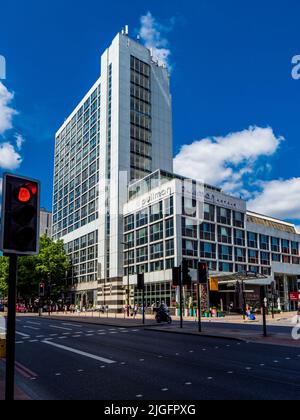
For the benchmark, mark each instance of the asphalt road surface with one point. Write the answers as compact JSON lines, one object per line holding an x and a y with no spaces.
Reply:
{"x":59,"y":360}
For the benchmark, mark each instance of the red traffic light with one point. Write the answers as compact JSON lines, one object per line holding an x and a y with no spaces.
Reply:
{"x":24,"y":195}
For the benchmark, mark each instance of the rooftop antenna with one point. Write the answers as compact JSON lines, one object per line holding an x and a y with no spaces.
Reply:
{"x":127,"y":30}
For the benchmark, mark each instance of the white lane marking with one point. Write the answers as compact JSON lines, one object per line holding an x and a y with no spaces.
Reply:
{"x":248,"y":368}
{"x":76,"y":336}
{"x":139,"y":396}
{"x":62,"y":338}
{"x":66,"y":333}
{"x":58,"y":374}
{"x":53,"y":335}
{"x":19,"y":342}
{"x":80,"y":353}
{"x":262,"y":365}
{"x":72,"y":325}
{"x":40,"y":336}
{"x":33,"y":341}
{"x":142,"y":360}
{"x":33,"y":323}
{"x":32,"y":328}
{"x":89,"y":332}
{"x":210,"y":378}
{"x":101,"y":333}
{"x":276,"y":361}
{"x":112,"y":329}
{"x":230,"y":373}
{"x":165,"y":390}
{"x":287,"y":358}
{"x":23,"y":335}
{"x":89,"y":335}
{"x":188,"y":383}
{"x":80,"y":370}
{"x":113,"y":332}
{"x":60,"y":328}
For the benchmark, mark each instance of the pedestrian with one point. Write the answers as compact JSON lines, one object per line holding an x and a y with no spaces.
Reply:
{"x":135,"y":310}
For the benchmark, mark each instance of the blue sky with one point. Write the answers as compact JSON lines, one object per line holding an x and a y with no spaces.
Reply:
{"x":234,"y":101}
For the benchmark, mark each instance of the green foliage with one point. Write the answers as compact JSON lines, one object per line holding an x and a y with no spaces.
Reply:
{"x":49,"y":266}
{"x":3,"y":275}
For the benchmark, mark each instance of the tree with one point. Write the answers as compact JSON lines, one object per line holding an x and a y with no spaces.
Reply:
{"x":3,"y":276}
{"x":49,"y":266}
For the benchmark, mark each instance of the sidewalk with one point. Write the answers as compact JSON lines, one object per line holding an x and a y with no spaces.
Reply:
{"x":19,"y":394}
{"x":277,"y":339}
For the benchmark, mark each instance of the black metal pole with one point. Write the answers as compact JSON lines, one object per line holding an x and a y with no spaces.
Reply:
{"x":144,"y":305}
{"x":181,"y":305}
{"x":199,"y":307}
{"x":244,"y":300}
{"x":11,"y":329}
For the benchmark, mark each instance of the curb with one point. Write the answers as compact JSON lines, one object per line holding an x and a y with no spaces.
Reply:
{"x":197,"y":334}
{"x":78,"y":321}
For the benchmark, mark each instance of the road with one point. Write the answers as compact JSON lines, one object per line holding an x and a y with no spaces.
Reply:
{"x":59,"y":360}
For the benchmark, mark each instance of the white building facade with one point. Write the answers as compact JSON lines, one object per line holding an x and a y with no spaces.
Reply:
{"x":121,"y":131}
{"x":45,"y":222}
{"x":168,"y":219}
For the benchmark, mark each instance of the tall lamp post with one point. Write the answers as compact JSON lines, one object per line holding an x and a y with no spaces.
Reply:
{"x":128,"y":279}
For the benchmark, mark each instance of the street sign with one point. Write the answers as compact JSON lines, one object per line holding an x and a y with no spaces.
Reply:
{"x":213,"y":284}
{"x":294,"y":296}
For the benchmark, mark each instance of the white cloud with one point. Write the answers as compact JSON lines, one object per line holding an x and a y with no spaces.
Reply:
{"x":279,"y":198}
{"x":10,"y":159}
{"x":225,"y":161}
{"x":6,"y":111}
{"x":19,"y":141}
{"x":151,"y":33}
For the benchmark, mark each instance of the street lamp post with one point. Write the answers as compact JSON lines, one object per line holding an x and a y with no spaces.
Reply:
{"x":128,"y":279}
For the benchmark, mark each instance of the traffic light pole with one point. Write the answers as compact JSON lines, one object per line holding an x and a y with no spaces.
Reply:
{"x":199,"y":307}
{"x":181,"y":305}
{"x":144,"y":305}
{"x":11,"y":329}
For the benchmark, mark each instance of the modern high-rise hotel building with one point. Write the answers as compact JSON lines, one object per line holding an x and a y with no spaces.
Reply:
{"x":121,"y":131}
{"x":120,"y":209}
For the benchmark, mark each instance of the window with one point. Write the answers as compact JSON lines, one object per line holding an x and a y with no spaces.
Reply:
{"x":207,"y":232}
{"x":240,"y":268}
{"x":275,"y":244}
{"x":239,"y":237}
{"x":285,"y":246}
{"x":169,"y":228}
{"x":238,"y":219}
{"x":223,"y":216}
{"x":225,"y":267}
{"x":142,"y":236}
{"x":129,"y":257}
{"x":240,"y":254}
{"x":295,"y":248}
{"x":170,"y":248}
{"x":264,"y":242}
{"x":209,"y":212}
{"x":296,"y":260}
{"x":225,"y":253}
{"x":189,"y":207}
{"x":207,"y":250}
{"x":286,"y":259}
{"x":156,"y":212}
{"x":170,"y":263}
{"x":129,"y":223}
{"x":253,"y":256}
{"x":224,"y":235}
{"x":169,"y":207}
{"x":142,"y":218}
{"x":142,"y":254}
{"x":253,"y":269}
{"x":129,"y":240}
{"x":157,"y":251}
{"x":252,"y":240}
{"x":156,"y":232}
{"x":190,"y":248}
{"x":157,"y":266}
{"x":189,"y":228}
{"x":276,"y":257}
{"x":265,"y":258}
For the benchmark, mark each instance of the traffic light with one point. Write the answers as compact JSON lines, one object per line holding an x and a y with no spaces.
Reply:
{"x":20,"y":216}
{"x":186,"y":278}
{"x":176,"y":276}
{"x":42,"y":290}
{"x":141,"y":281}
{"x":202,"y":273}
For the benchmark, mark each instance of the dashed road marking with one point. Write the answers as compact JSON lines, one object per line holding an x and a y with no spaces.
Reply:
{"x":80,"y":353}
{"x":60,"y":328}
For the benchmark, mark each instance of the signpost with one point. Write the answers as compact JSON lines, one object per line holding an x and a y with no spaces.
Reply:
{"x":294,"y":296}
